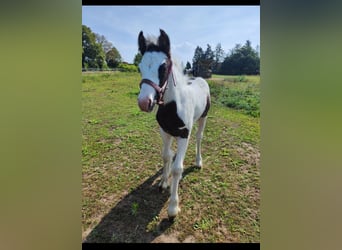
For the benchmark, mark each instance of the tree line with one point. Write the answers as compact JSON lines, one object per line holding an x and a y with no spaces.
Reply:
{"x":241,"y":60}
{"x":99,"y":53}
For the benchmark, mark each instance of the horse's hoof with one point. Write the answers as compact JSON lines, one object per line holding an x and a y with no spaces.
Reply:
{"x":172,"y":219}
{"x":172,"y":213}
{"x":163,"y":189}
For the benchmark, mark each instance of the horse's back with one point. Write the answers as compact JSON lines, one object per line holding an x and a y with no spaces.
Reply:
{"x":199,"y":83}
{"x":200,"y":96}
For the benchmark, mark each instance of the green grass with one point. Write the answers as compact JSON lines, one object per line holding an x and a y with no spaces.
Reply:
{"x":238,"y":92}
{"x":121,"y":149}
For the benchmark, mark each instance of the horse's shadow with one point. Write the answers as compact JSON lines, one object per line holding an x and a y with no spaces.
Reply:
{"x":135,"y":217}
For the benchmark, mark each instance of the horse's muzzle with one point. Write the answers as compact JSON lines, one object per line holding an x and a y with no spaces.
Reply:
{"x":146,"y":104}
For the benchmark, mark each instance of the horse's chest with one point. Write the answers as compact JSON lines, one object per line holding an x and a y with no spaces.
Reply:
{"x":170,"y":122}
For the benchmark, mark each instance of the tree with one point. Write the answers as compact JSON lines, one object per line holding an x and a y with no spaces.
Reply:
{"x":93,"y":55}
{"x":106,"y":45}
{"x":208,"y":59}
{"x":203,"y":62}
{"x":209,"y":54}
{"x":137,"y":59}
{"x":196,"y":61}
{"x":219,"y":53}
{"x":218,"y":58}
{"x":113,"y":58}
{"x":188,"y":65}
{"x":242,"y":60}
{"x":187,"y":69}
{"x":88,"y":43}
{"x":257,"y":49}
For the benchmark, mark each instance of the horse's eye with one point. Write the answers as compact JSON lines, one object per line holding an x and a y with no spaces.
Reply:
{"x":162,"y":68}
{"x":162,"y":72}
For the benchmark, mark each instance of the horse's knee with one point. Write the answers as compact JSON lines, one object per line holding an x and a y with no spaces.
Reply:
{"x":167,"y":155}
{"x":177,"y":171}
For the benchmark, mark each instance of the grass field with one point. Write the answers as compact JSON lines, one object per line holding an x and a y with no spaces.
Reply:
{"x":121,"y":166}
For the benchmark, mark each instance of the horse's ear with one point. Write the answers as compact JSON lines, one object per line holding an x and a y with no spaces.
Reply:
{"x":142,"y":43}
{"x":164,"y":42}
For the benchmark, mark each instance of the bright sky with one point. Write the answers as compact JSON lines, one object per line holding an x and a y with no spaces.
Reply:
{"x":187,"y":26}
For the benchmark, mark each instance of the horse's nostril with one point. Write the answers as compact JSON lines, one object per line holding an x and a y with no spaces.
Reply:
{"x":145,"y":104}
{"x":150,"y":105}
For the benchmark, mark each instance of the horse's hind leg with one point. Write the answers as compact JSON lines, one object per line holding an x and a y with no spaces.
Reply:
{"x":199,"y":136}
{"x":167,"y":155}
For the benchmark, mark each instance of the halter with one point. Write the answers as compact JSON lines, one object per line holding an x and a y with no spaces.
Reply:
{"x":160,"y":89}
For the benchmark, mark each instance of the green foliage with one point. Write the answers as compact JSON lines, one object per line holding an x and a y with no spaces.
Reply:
{"x":106,"y":45}
{"x":203,"y":62}
{"x":134,"y":208}
{"x":137,"y":59}
{"x":218,"y":58}
{"x":242,"y":60}
{"x":127,"y":67}
{"x":113,"y":58}
{"x":203,"y":224}
{"x":93,"y":55}
{"x":237,"y":93}
{"x":241,"y":78}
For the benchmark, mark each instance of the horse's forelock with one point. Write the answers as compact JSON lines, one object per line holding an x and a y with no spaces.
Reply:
{"x":150,"y":39}
{"x":152,"y":45}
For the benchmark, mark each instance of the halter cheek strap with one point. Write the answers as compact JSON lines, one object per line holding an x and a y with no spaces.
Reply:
{"x":160,"y":90}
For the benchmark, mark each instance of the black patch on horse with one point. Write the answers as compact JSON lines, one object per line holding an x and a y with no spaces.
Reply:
{"x":162,"y":74}
{"x":170,"y":122}
{"x":155,"y":48}
{"x":152,"y":47}
{"x":207,"y":106}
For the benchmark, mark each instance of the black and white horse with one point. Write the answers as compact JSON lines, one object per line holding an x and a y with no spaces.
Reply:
{"x":182,"y":101}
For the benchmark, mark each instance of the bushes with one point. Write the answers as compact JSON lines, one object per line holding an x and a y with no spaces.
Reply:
{"x":238,"y":95}
{"x":123,"y":67}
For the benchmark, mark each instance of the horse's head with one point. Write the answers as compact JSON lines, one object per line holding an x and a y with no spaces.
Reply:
{"x":155,"y":67}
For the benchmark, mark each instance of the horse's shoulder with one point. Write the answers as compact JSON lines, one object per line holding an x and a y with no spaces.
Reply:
{"x":170,"y":121}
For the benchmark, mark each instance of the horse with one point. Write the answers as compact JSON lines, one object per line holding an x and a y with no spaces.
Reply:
{"x":182,"y":101}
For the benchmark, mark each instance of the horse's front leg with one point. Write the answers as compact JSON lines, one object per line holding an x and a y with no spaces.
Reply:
{"x":167,"y":155}
{"x":177,"y":170}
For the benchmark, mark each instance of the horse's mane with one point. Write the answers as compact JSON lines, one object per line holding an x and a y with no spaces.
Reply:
{"x":176,"y":63}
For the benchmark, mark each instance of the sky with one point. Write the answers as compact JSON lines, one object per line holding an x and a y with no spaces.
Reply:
{"x":186,"y":26}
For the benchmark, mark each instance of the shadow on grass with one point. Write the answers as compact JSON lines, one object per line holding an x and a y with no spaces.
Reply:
{"x":124,"y":224}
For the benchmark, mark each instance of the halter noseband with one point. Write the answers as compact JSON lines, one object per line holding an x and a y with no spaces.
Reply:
{"x":160,"y":90}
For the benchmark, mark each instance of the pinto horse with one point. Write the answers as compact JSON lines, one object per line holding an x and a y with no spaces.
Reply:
{"x":182,"y":102}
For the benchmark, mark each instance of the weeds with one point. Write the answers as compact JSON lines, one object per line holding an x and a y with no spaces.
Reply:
{"x":238,"y":94}
{"x":134,"y":209}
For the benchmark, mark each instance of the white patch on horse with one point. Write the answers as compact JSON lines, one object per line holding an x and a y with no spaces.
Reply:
{"x":180,"y":105}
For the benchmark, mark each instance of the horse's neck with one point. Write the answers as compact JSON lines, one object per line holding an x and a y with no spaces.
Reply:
{"x":175,"y":85}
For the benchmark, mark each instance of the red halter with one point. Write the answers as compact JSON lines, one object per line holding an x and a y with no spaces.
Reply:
{"x":160,"y":90}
